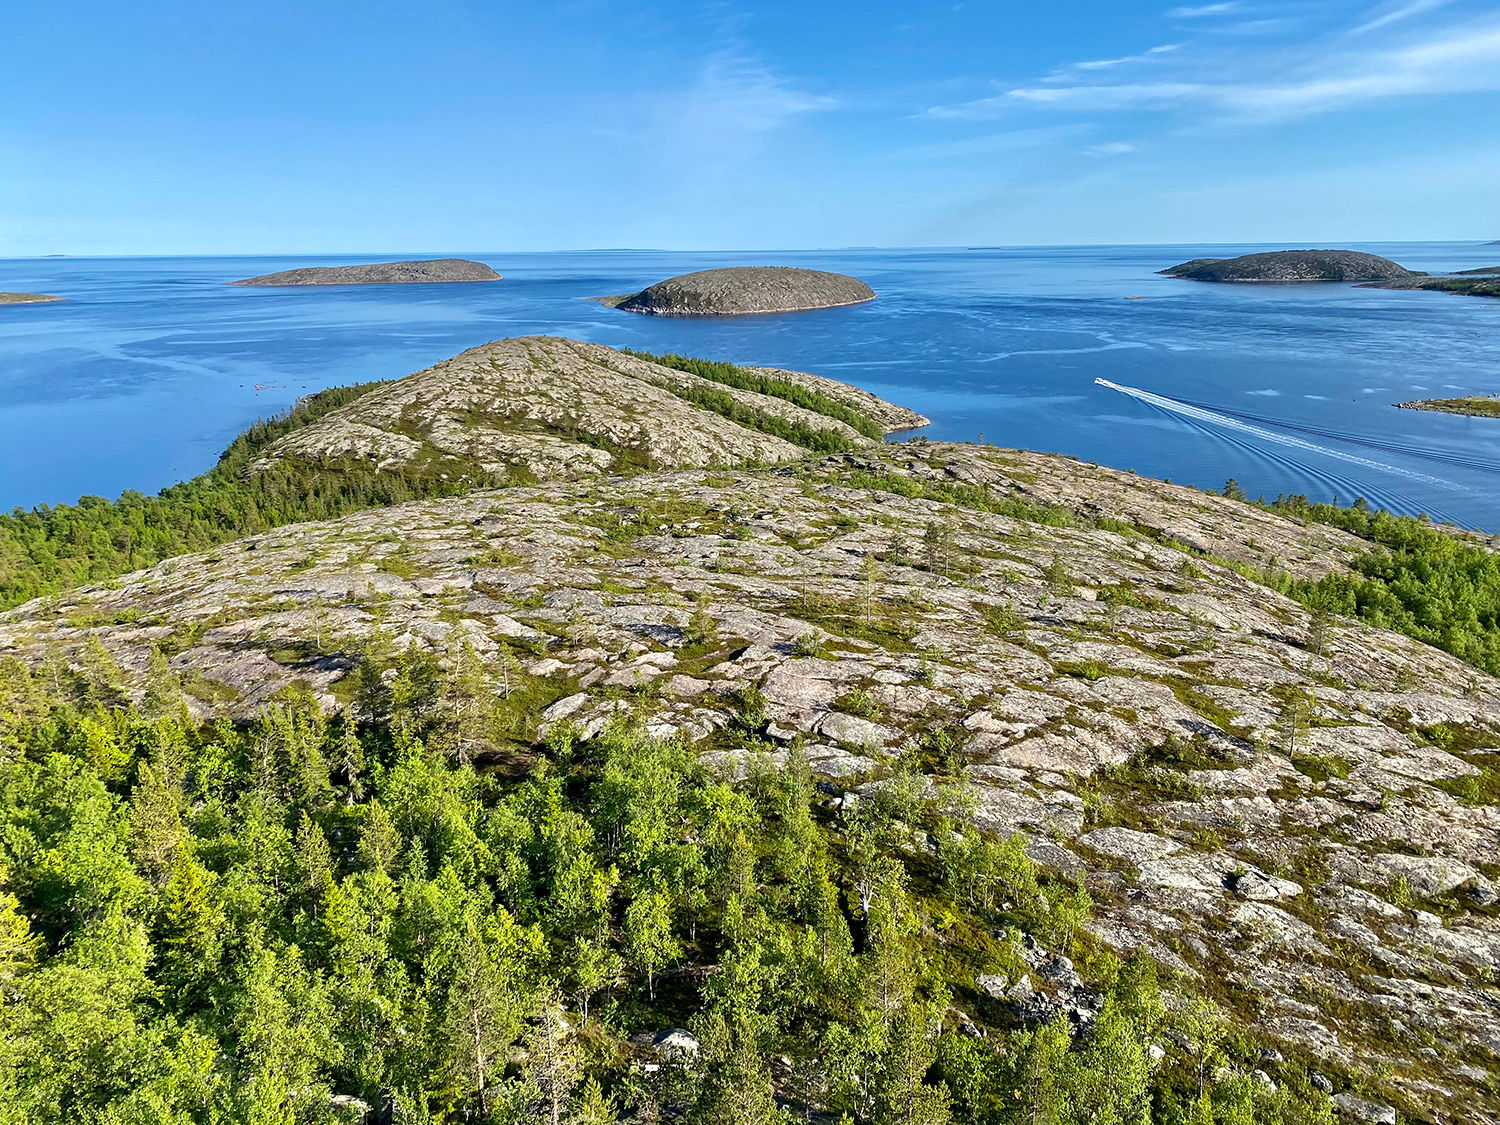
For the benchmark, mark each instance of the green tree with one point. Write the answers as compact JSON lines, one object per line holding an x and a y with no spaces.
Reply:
{"x":649,"y":940}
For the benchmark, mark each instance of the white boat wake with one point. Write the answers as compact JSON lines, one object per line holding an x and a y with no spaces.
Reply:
{"x":1214,"y":418}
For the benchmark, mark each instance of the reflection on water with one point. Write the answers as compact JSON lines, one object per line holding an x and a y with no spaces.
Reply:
{"x":153,"y":365}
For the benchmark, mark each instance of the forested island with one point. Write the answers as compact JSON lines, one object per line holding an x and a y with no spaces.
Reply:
{"x":381,"y":273}
{"x":744,"y":290}
{"x":567,"y":734}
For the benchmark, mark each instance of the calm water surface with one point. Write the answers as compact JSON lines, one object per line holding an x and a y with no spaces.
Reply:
{"x":154,"y":364}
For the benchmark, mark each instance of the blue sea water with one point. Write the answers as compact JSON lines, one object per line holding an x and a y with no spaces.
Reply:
{"x":154,"y":364}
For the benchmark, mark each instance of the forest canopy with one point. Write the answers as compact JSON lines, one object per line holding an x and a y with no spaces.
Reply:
{"x":302,"y":919}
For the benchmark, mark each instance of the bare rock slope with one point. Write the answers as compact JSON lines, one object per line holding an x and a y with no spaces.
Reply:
{"x":380,"y":273}
{"x":1292,"y":265}
{"x":540,"y":407}
{"x":742,"y":290}
{"x":1300,"y":822}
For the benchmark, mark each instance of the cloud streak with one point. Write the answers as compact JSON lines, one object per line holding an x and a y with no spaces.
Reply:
{"x":1199,"y":11}
{"x":1387,"y":14}
{"x":1454,"y":60}
{"x":1145,"y":56}
{"x":739,"y":94}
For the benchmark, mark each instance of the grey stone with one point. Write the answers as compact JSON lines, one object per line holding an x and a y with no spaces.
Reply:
{"x":1367,"y":1112}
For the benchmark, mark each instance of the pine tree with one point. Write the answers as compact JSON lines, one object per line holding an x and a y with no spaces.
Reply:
{"x":314,"y":863}
{"x":188,"y":925}
{"x":592,"y":1106}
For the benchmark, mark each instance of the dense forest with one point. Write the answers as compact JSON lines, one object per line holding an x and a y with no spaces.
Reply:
{"x":305,"y":920}
{"x":1427,"y":582}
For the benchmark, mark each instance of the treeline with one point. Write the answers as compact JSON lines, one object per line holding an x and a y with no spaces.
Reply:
{"x":1434,"y":585}
{"x":745,"y":380}
{"x":798,"y":433}
{"x":300,"y":919}
{"x":48,"y":549}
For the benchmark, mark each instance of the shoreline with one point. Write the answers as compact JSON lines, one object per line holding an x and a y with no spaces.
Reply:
{"x":1484,"y":406}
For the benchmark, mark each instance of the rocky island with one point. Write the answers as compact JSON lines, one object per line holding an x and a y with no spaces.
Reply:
{"x":744,"y":290}
{"x":1466,"y":283}
{"x":1292,"y":266}
{"x":1475,"y":406}
{"x":381,"y":273}
{"x":28,"y":298}
{"x":676,"y":668}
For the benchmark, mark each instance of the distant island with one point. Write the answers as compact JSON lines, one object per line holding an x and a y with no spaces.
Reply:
{"x":745,"y":290}
{"x":1475,"y":406}
{"x":381,"y":273}
{"x":1466,"y":283}
{"x":1292,"y":265}
{"x":28,"y":298}
{"x":1479,"y":272}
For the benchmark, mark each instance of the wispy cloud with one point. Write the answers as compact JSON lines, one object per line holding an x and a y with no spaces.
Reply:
{"x":1144,"y":56}
{"x":1395,"y":11}
{"x":738,"y":93}
{"x":1276,"y":85}
{"x":1199,"y":11}
{"x":1110,"y":148}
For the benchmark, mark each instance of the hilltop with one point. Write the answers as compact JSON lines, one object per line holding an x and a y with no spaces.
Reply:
{"x":545,"y":407}
{"x":743,"y":290}
{"x":1292,"y":265}
{"x":380,"y":273}
{"x":1288,"y":813}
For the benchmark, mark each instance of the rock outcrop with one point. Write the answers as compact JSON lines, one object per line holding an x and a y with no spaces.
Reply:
{"x":539,"y":407}
{"x":380,"y":273}
{"x":1292,"y":265}
{"x":28,"y":298}
{"x":1300,"y":823}
{"x":743,"y":290}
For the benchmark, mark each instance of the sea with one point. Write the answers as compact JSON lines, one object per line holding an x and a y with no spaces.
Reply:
{"x":153,"y":364}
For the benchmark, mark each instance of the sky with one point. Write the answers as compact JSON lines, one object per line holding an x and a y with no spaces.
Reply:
{"x":342,"y":126}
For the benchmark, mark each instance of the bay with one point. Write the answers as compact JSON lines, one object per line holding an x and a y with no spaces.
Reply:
{"x":153,"y":365}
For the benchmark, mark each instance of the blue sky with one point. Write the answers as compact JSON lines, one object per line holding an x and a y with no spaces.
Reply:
{"x":332,"y":126}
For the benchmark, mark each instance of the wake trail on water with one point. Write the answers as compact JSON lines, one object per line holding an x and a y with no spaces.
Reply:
{"x":1225,"y":420}
{"x":1392,"y":498}
{"x":1463,"y":461}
